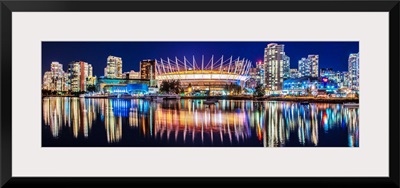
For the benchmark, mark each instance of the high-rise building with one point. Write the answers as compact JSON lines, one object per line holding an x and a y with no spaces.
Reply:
{"x":134,"y":75}
{"x":114,"y":67}
{"x":254,"y":74}
{"x":260,"y":67}
{"x":304,"y":67}
{"x":148,"y":70}
{"x":342,"y":79}
{"x":328,"y":73}
{"x":67,"y":82}
{"x":308,"y":67}
{"x":294,"y":73}
{"x":313,"y":61}
{"x":354,"y":71}
{"x":56,"y":79}
{"x":286,"y":67}
{"x":90,"y":70}
{"x":346,"y":79}
{"x":79,"y":75}
{"x":47,"y":81}
{"x":57,"y":74}
{"x":277,"y":66}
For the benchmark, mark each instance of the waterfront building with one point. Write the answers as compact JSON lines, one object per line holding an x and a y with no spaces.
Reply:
{"x":47,"y":81}
{"x":346,"y":80}
{"x":108,"y":82}
{"x":90,"y":70}
{"x":67,"y":82}
{"x":148,"y":71}
{"x":254,"y":74}
{"x":130,"y":89}
{"x":277,"y":66}
{"x":294,"y":73}
{"x":354,"y":71}
{"x":57,"y":75}
{"x":304,"y":67}
{"x":210,"y":76}
{"x":328,"y":73}
{"x":55,"y":79}
{"x":113,"y":68}
{"x":309,"y":66}
{"x":261,"y":72}
{"x":132,"y":75}
{"x":313,"y":61}
{"x":304,"y":85}
{"x":78,"y":75}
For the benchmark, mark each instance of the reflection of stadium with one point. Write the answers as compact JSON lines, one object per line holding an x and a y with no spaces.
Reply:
{"x":214,"y":74}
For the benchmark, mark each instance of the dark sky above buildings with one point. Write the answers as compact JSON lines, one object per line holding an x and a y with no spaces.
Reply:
{"x":331,"y":54}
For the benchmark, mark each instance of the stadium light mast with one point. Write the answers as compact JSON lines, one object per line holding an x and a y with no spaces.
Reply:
{"x":169,"y":63}
{"x":184,"y":62}
{"x":162,"y":62}
{"x":244,"y":66}
{"x":202,"y":63}
{"x":229,"y":67}
{"x":236,"y":65}
{"x":248,"y":68}
{"x":222,"y":60}
{"x":176,"y":62}
{"x":193,"y":64}
{"x":212,"y":62}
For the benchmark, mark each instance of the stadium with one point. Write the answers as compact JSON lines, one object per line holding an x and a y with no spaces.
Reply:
{"x":209,"y":76}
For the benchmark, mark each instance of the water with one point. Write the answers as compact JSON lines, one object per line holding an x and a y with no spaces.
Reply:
{"x":77,"y":122}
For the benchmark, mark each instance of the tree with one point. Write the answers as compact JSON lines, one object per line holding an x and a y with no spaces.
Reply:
{"x":237,"y":89}
{"x":259,"y":90}
{"x":91,"y":88}
{"x":171,"y":86}
{"x":164,"y":87}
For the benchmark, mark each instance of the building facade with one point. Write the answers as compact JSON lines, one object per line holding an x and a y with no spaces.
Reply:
{"x":277,"y":66}
{"x":47,"y":81}
{"x":254,"y":79}
{"x":308,"y":67}
{"x":114,"y":67}
{"x":304,"y":67}
{"x":134,"y":75}
{"x":55,"y":79}
{"x":148,"y":71}
{"x":328,"y":73}
{"x":354,"y":71}
{"x":294,"y":73}
{"x":309,"y":85}
{"x":313,"y":60}
{"x":78,"y":75}
{"x":261,"y":72}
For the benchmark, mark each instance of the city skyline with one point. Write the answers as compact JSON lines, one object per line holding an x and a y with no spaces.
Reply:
{"x":96,"y":53}
{"x":196,"y":94}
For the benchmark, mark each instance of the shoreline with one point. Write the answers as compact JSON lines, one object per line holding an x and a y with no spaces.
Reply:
{"x":289,"y":99}
{"x":315,"y":100}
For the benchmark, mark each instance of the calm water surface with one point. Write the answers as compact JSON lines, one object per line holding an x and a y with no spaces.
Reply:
{"x":76,"y":122}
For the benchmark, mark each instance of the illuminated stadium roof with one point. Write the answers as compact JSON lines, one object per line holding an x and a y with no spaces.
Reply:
{"x":219,"y":69}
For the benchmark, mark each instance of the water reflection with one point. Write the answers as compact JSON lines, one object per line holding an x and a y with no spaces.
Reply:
{"x":139,"y":122}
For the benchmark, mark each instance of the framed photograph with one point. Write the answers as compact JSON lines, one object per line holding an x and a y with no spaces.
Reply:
{"x":282,"y":93}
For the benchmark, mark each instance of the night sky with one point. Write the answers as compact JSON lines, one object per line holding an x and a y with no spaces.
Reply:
{"x":331,"y":54}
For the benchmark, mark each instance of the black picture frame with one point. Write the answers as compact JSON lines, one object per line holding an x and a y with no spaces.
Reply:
{"x":7,"y":7}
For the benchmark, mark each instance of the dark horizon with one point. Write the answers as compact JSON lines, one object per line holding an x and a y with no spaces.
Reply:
{"x":331,"y":54}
